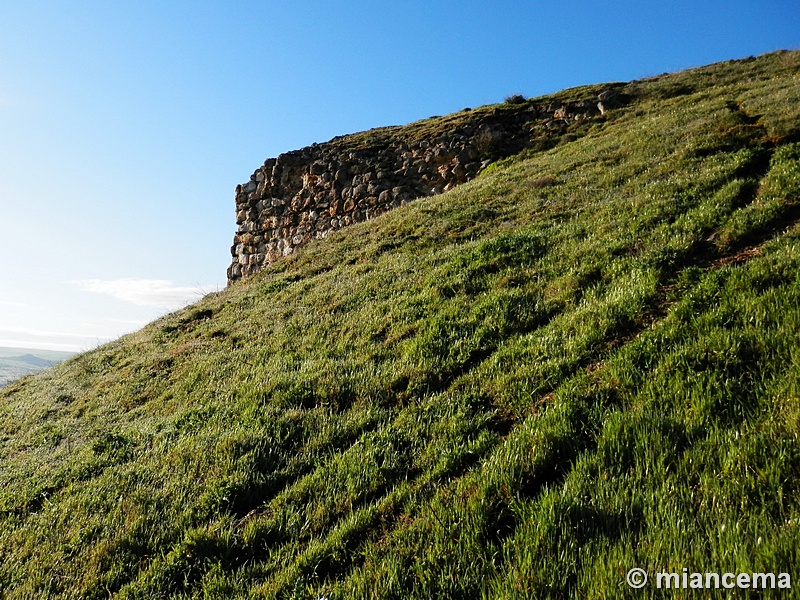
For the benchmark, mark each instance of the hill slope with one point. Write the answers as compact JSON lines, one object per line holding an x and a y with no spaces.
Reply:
{"x":583,"y":361}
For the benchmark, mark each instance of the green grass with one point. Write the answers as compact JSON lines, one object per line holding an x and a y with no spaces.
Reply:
{"x":586,"y":360}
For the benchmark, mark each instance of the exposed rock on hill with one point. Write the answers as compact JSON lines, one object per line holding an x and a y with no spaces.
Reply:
{"x":307,"y":193}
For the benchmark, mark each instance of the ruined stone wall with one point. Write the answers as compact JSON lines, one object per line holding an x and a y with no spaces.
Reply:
{"x":304,"y":195}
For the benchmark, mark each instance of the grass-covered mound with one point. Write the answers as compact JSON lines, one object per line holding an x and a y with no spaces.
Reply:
{"x":586,"y":360}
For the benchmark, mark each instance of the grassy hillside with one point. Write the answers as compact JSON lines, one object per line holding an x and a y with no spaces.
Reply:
{"x":584,"y":361}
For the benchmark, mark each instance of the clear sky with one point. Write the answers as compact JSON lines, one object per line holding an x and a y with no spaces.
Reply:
{"x":125,"y":126}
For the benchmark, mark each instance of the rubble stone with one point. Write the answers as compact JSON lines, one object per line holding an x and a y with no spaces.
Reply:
{"x":304,"y":194}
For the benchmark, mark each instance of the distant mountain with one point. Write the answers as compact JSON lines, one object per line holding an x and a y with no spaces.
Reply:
{"x":13,"y":366}
{"x":34,"y":361}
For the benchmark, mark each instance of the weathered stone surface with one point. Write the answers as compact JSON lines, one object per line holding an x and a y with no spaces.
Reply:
{"x":607,"y":96}
{"x":304,"y":194}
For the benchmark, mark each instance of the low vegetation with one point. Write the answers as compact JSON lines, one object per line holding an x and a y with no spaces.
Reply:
{"x":585,"y":360}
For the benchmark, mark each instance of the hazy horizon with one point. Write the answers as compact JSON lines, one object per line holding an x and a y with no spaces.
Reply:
{"x":11,"y":351}
{"x":13,"y":364}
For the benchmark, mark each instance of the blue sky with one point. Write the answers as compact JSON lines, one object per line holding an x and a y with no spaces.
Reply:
{"x":125,"y":127}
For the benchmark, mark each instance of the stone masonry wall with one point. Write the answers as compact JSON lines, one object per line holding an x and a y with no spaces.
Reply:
{"x":305,"y":194}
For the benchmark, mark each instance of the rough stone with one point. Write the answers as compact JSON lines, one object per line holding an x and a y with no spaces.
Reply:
{"x":304,"y":194}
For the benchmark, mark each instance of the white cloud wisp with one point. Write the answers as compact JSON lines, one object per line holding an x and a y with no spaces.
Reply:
{"x":143,"y":292}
